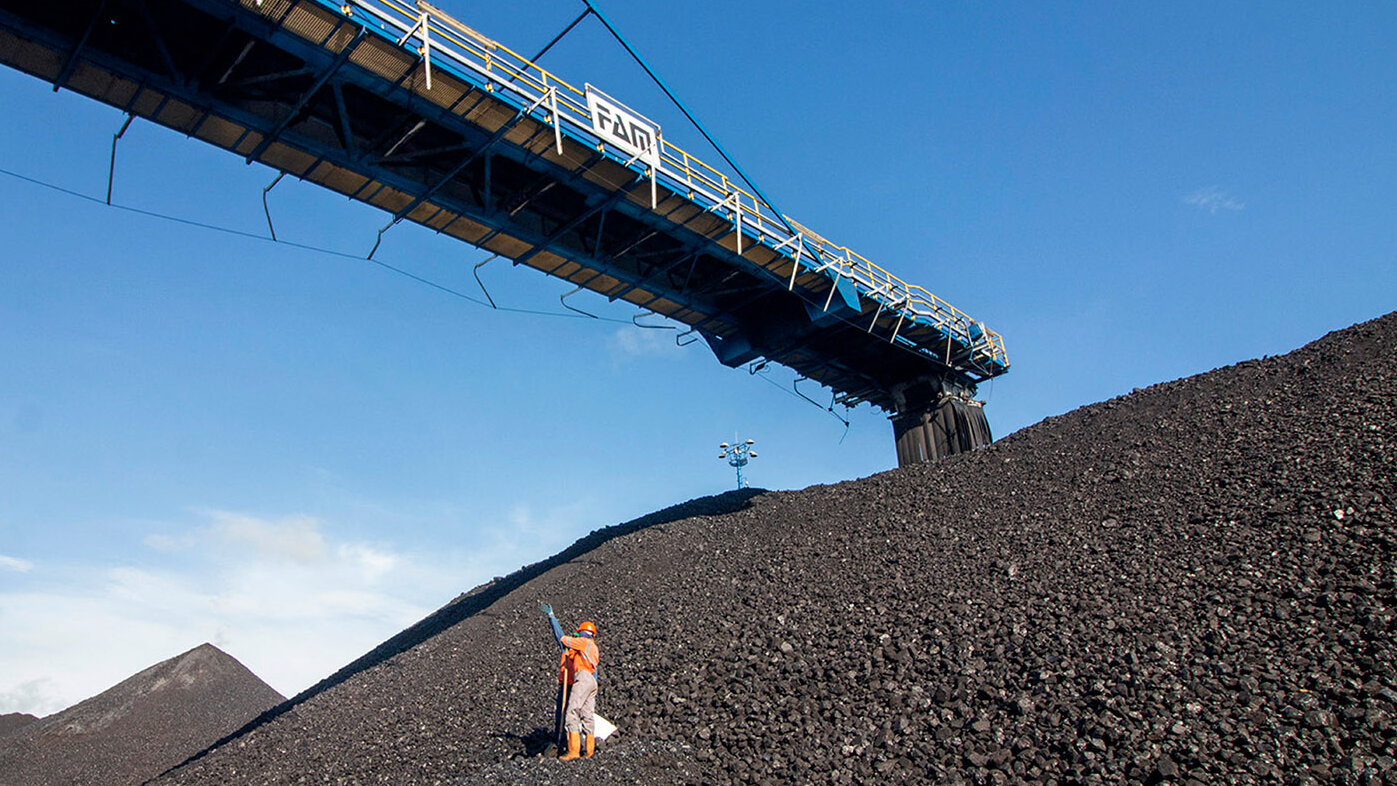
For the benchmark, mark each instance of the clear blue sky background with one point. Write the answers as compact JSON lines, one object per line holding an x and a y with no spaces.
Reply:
{"x":294,"y":454}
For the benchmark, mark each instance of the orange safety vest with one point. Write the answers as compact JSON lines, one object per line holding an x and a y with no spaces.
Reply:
{"x":581,"y":655}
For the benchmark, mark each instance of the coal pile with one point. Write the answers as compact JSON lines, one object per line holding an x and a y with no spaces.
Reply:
{"x":14,"y":721}
{"x":1193,"y":583}
{"x":140,"y":727}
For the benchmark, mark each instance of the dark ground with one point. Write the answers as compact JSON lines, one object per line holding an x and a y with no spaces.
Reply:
{"x":1193,"y":583}
{"x":13,"y":721}
{"x":138,"y":728}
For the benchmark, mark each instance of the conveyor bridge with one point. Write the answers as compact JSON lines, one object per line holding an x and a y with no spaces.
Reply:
{"x":405,"y":108}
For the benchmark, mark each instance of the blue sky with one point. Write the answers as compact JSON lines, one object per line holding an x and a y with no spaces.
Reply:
{"x":210,"y":437}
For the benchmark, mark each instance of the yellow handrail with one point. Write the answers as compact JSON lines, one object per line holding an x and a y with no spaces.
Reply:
{"x":479,"y":52}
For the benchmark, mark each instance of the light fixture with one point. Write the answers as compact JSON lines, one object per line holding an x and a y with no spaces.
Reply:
{"x":737,"y":456}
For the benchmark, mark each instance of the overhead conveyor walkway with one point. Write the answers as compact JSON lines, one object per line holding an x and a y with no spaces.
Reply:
{"x":407,"y":109}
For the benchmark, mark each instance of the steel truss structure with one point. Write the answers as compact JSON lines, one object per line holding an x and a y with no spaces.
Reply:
{"x":409,"y":110}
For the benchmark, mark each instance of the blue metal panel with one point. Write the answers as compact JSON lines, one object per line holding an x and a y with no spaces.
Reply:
{"x":731,"y":352}
{"x":842,"y":305}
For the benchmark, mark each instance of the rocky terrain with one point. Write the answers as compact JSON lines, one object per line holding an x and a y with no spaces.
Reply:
{"x":139,"y":728}
{"x":13,"y":721}
{"x":1193,"y":583}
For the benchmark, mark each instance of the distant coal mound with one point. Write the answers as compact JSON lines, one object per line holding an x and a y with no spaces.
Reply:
{"x":139,"y":728}
{"x":1193,"y":583}
{"x":13,"y":721}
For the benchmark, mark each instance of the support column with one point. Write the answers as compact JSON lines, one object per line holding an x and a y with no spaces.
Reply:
{"x":952,"y":425}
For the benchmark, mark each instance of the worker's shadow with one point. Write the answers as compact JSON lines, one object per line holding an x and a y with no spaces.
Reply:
{"x":539,"y":742}
{"x":482,"y":597}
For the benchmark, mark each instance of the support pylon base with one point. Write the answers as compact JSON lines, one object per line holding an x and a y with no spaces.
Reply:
{"x":954,"y":425}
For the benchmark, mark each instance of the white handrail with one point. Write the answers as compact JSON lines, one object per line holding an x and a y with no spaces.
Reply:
{"x":452,"y":42}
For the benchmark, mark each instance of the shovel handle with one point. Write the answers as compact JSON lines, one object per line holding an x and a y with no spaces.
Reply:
{"x":562,"y":716}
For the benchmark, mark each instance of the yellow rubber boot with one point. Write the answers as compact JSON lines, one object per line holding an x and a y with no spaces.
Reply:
{"x":574,"y":747}
{"x":591,"y":746}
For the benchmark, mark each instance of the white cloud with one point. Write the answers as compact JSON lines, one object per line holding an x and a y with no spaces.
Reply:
{"x":39,"y":693}
{"x":287,"y":596}
{"x":533,"y":534}
{"x":295,"y":538}
{"x":371,"y":563}
{"x":282,"y":595}
{"x":1213,"y":199}
{"x":15,"y":564}
{"x":168,"y":543}
{"x":629,"y":343}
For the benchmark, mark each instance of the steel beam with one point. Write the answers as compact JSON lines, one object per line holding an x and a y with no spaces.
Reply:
{"x":275,"y":133}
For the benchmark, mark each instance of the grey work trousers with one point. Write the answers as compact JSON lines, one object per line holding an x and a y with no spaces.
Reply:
{"x":582,"y":703}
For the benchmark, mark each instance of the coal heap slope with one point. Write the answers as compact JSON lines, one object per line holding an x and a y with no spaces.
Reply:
{"x":14,"y":721}
{"x":1190,"y":583}
{"x":140,"y":727}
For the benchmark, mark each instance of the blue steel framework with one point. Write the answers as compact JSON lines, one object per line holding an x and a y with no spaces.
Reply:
{"x":408,"y":109}
{"x":738,"y":454}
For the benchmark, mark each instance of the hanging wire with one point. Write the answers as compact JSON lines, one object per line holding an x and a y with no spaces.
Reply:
{"x":591,"y":10}
{"x":759,"y":370}
{"x":267,"y":208}
{"x":664,"y":87}
{"x":795,"y":385}
{"x":625,"y":44}
{"x":475,"y":271}
{"x":635,"y":320}
{"x":111,"y":171}
{"x":762,"y":375}
{"x":555,"y":40}
{"x":293,"y":244}
{"x":564,"y":300}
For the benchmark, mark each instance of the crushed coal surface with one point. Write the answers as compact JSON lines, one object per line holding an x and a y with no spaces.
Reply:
{"x":639,"y":761}
{"x":14,"y":721}
{"x":1192,"y":583}
{"x":140,"y":727}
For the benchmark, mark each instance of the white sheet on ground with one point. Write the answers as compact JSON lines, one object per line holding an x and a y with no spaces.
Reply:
{"x":602,"y":726}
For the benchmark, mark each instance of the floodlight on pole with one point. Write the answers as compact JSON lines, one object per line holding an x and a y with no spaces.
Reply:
{"x":738,"y":455}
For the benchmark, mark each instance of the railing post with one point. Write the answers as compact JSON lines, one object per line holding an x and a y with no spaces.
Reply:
{"x":557,"y":120}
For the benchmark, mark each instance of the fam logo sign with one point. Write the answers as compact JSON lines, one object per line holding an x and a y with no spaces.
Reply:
{"x":623,"y":127}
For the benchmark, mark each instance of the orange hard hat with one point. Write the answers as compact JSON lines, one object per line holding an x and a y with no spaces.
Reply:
{"x":588,"y":627}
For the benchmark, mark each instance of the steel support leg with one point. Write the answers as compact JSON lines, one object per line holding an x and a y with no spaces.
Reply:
{"x":953,"y":425}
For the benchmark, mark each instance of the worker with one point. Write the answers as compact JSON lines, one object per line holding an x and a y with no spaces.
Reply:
{"x":577,"y":680}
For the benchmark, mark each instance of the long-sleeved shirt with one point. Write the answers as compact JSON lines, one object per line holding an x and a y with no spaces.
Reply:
{"x":580,"y":653}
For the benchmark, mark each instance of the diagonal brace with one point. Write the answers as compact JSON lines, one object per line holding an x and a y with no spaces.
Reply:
{"x":72,"y":61}
{"x":604,"y":205}
{"x":340,"y":60}
{"x":453,"y":172}
{"x":159,"y":40}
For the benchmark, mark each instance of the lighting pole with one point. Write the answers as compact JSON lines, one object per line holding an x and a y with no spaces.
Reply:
{"x":737,"y":456}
